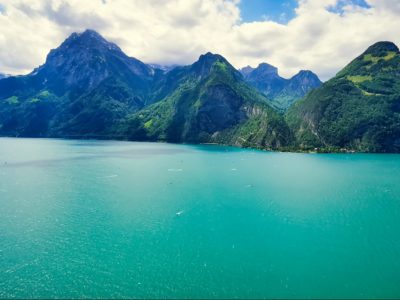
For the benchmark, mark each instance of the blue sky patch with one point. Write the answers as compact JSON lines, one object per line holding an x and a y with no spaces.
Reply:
{"x":281,"y":11}
{"x":338,"y":8}
{"x":2,"y":9}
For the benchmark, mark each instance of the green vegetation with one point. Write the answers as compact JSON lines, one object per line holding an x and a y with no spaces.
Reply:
{"x":368,"y":93}
{"x":359,"y":79}
{"x":215,"y":108}
{"x":44,"y":94}
{"x":374,"y":59}
{"x":148,"y":124}
{"x":13,"y":100}
{"x":263,"y":130}
{"x":208,"y":102}
{"x":357,"y":110}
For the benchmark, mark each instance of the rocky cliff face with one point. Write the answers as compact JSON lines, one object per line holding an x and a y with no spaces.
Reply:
{"x":265,"y":78}
{"x":86,"y":59}
{"x":84,"y":87}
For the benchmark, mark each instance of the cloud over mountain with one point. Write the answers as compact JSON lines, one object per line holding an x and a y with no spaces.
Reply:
{"x":178,"y":31}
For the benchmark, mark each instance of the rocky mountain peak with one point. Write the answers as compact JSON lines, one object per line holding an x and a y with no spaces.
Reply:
{"x":267,"y":69}
{"x":205,"y":63}
{"x":85,"y":59}
{"x":381,"y":48}
{"x":307,"y":76}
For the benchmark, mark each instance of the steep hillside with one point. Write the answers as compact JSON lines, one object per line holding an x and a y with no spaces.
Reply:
{"x":210,"y":103}
{"x":83,"y":88}
{"x":359,"y":109}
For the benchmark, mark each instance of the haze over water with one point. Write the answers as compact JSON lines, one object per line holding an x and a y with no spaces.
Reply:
{"x":118,"y":219}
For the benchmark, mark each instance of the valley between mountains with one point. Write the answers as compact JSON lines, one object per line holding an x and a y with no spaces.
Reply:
{"x":89,"y":88}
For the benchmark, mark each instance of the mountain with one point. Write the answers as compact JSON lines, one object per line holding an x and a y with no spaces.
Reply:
{"x":209,"y":102}
{"x":3,"y":75}
{"x":296,"y":88}
{"x":265,"y":78}
{"x":84,"y":60}
{"x":283,"y":92}
{"x":359,"y":109}
{"x":83,"y":88}
{"x":89,"y":88}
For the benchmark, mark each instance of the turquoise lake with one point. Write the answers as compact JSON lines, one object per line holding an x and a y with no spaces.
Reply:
{"x":92,"y":219}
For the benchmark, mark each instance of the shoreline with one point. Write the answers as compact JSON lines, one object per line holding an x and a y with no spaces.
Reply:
{"x":329,"y":150}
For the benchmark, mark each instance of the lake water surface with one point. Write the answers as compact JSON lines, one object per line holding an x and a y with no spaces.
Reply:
{"x":118,"y":219}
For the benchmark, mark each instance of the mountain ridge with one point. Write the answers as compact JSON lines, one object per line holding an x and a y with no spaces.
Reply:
{"x":89,"y":88}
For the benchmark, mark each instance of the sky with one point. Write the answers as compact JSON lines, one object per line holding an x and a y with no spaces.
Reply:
{"x":262,"y":10}
{"x":318,"y":35}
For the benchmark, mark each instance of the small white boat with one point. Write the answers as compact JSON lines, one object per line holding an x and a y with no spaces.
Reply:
{"x":179,"y":213}
{"x":175,"y":170}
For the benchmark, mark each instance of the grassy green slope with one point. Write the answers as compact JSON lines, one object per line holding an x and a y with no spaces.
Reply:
{"x":358,"y":110}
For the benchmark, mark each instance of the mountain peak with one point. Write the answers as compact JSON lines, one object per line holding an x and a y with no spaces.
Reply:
{"x":303,"y":82}
{"x":89,"y":38}
{"x":267,"y":68}
{"x":374,"y":56}
{"x":205,"y":62}
{"x":246,"y":70}
{"x":306,"y":74}
{"x":92,"y":33}
{"x":88,"y":33}
{"x":263,"y":69}
{"x":85,"y":59}
{"x":263,"y":73}
{"x":381,"y":48}
{"x":210,"y":58}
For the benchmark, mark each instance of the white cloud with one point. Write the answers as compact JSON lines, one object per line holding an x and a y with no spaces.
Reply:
{"x":178,"y":31}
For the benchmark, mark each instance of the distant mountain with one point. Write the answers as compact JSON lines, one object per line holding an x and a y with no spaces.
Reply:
{"x":164,"y":68}
{"x":246,"y":71}
{"x":283,"y":92}
{"x":3,"y":75}
{"x":265,"y":78}
{"x":359,"y":109}
{"x":209,"y":102}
